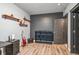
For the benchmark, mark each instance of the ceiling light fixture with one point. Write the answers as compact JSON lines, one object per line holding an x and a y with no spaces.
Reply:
{"x":59,"y":4}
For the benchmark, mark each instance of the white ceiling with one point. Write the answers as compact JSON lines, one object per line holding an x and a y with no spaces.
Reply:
{"x":42,"y":8}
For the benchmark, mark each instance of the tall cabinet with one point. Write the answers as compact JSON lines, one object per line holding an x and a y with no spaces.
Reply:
{"x":75,"y":29}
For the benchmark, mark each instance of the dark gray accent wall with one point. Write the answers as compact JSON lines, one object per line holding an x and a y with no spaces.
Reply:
{"x":43,"y":22}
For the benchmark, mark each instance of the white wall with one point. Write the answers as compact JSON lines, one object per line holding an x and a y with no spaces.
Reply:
{"x":8,"y":27}
{"x":69,"y":7}
{"x":67,"y":11}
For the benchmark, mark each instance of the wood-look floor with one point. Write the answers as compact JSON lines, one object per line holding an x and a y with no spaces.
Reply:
{"x":43,"y":49}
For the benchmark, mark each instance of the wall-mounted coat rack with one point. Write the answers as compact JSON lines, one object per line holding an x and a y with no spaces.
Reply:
{"x":22,"y":22}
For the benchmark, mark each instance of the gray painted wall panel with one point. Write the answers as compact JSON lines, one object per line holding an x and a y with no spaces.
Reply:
{"x":43,"y":22}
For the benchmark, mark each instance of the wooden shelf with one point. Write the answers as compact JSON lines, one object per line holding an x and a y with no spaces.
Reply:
{"x":26,"y":19}
{"x":10,"y":17}
{"x":22,"y":24}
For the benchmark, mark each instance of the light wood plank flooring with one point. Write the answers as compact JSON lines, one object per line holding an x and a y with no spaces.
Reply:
{"x":43,"y":49}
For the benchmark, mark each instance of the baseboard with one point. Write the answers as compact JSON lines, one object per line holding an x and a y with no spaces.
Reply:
{"x":68,"y":49}
{"x":48,"y":42}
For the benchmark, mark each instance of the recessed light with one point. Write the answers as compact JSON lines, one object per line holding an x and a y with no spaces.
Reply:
{"x":59,"y":4}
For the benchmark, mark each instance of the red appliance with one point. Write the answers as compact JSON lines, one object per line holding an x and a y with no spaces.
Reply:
{"x":23,"y":41}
